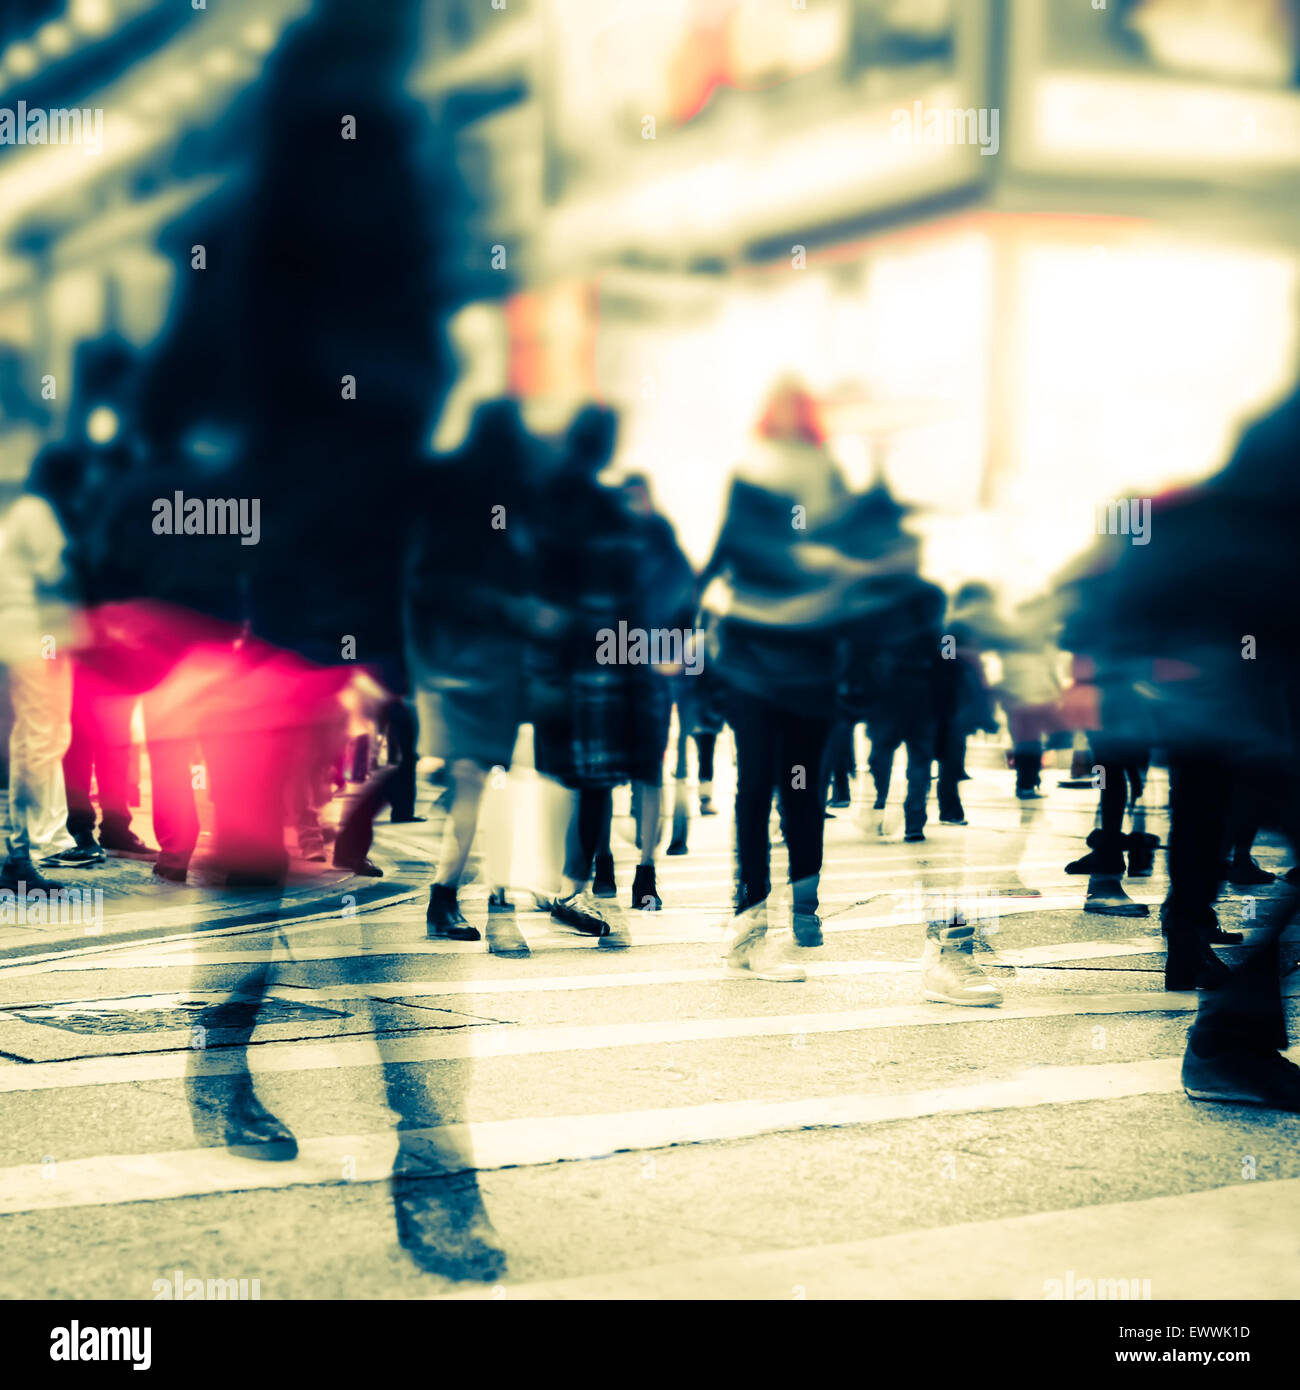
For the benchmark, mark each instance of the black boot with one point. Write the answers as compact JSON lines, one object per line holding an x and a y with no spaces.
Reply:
{"x":1107,"y":856}
{"x":1207,"y":924}
{"x":443,"y":1226}
{"x":19,"y":873}
{"x":1141,"y":853}
{"x":503,"y":934}
{"x":1243,"y":872}
{"x":444,"y":916}
{"x":602,"y":881}
{"x":253,"y":1132}
{"x":1106,"y":895}
{"x":644,"y":894}
{"x":1189,"y":962}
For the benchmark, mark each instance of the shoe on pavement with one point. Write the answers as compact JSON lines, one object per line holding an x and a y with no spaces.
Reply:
{"x":602,"y":883}
{"x":1190,"y":964}
{"x":955,"y":818}
{"x":443,"y":1226}
{"x":86,"y":841}
{"x":807,"y":929}
{"x":121,"y":840}
{"x":503,"y":935}
{"x":363,"y":868}
{"x":949,"y":974}
{"x":444,"y":919}
{"x":1106,"y":895}
{"x":253,"y":1132}
{"x":1263,"y":1078}
{"x":645,"y":896}
{"x":1141,"y":853}
{"x":706,"y":806}
{"x":1243,"y":872}
{"x":754,"y":954}
{"x":75,"y":858}
{"x":580,"y":912}
{"x":677,"y":847}
{"x":311,"y":846}
{"x":914,"y":837}
{"x":171,"y":870}
{"x":1106,"y":857}
{"x":20,"y":874}
{"x":1207,"y":925}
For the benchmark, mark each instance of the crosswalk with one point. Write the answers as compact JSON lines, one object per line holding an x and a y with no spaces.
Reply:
{"x":642,"y":1125}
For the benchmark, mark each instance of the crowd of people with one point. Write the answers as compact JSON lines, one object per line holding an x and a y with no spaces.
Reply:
{"x":451,"y":602}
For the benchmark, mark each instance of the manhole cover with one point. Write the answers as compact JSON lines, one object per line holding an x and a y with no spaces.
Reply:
{"x":153,"y":1013}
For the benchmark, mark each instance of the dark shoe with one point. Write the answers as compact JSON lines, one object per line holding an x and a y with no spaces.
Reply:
{"x":959,"y":818}
{"x":878,"y":804}
{"x":503,"y":935}
{"x":86,"y":841}
{"x":1141,"y":853}
{"x":363,"y":868}
{"x":1243,"y":872}
{"x":171,"y":870}
{"x":580,"y":912}
{"x":807,"y":929}
{"x":1243,"y":1078}
{"x":1028,"y":793}
{"x":706,"y":806}
{"x":444,"y":918}
{"x":645,"y":896}
{"x":75,"y":858}
{"x":1107,"y":856}
{"x":311,"y":846}
{"x":602,"y":883}
{"x":19,"y":875}
{"x":253,"y":1132}
{"x":1106,"y":895}
{"x":1190,"y":964}
{"x":1208,"y":926}
{"x":122,"y":840}
{"x":677,"y":847}
{"x":406,"y":820}
{"x":914,"y":837}
{"x":442,"y":1225}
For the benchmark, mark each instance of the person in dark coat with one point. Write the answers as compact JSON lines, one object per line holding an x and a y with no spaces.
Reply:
{"x":1196,"y":637}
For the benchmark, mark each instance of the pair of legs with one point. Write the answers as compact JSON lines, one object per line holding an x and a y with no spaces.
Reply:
{"x":1029,"y":725}
{"x":838,"y":766}
{"x":781,"y":752}
{"x":916,"y":730}
{"x":951,"y":748}
{"x":41,"y":694}
{"x":439,"y":1212}
{"x":100,"y":742}
{"x":587,"y":844}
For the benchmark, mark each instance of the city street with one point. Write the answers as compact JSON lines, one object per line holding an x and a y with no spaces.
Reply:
{"x":643,"y":1124}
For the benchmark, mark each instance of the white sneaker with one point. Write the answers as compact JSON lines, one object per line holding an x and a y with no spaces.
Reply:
{"x":760,"y":957}
{"x":949,"y":975}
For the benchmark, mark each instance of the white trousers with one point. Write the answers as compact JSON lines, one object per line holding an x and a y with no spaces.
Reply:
{"x":41,"y":692}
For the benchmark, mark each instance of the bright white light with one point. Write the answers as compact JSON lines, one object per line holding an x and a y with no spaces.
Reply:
{"x":183,"y":86}
{"x":92,"y":16}
{"x":259,"y":36}
{"x":102,"y":425}
{"x":54,"y":39}
{"x":221,"y":62}
{"x":21,"y":59}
